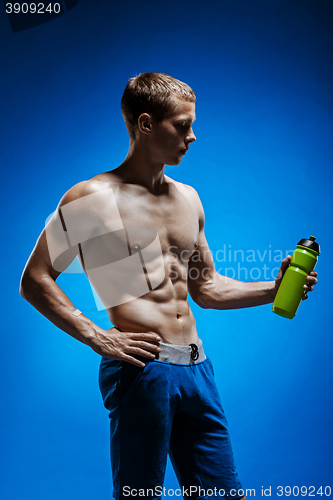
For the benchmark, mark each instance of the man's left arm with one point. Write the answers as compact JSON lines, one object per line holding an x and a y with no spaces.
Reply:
{"x":211,"y":290}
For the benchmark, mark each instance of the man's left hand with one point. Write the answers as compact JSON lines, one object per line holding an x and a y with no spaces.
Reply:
{"x":311,"y":279}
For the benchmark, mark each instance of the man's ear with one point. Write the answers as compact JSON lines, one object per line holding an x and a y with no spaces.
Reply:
{"x":144,"y":123}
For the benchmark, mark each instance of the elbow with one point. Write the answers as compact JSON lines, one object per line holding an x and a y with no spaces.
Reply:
{"x":201,"y":295}
{"x":33,"y":284}
{"x":27,"y":286}
{"x":203,"y":303}
{"x":200,"y":301}
{"x":24,"y":286}
{"x":200,"y":298}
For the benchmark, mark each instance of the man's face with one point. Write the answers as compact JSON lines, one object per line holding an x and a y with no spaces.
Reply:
{"x":170,"y":138}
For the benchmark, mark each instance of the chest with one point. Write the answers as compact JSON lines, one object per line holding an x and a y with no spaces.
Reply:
{"x":174,"y":217}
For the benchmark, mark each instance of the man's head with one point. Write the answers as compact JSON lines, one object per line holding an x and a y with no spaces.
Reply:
{"x":154,"y":93}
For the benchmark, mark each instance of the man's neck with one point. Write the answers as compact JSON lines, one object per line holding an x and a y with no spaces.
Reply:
{"x":139,"y":168}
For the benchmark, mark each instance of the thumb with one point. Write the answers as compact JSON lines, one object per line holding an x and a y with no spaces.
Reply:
{"x":285,"y":263}
{"x":284,"y":266}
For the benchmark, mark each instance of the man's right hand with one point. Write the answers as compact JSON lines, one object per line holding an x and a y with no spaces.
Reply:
{"x":121,"y":346}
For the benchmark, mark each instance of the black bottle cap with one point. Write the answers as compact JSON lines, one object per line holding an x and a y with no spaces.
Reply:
{"x":311,"y":243}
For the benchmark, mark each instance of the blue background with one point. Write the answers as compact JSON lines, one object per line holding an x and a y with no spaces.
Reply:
{"x":262,"y":72}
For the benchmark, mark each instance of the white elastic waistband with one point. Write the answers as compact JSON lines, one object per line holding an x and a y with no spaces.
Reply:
{"x":181,"y":354}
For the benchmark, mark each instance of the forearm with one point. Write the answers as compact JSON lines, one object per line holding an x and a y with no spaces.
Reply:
{"x":45,"y":295}
{"x":222,"y":292}
{"x":48,"y":298}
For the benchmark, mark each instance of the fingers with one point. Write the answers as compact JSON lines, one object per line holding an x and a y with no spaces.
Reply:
{"x":312,"y":278}
{"x":285,"y":263}
{"x":140,"y":352}
{"x":145,"y":345}
{"x":133,"y":361}
{"x":311,"y":281}
{"x":153,"y":337}
{"x":122,"y":356}
{"x":126,"y":356}
{"x":131,"y":346}
{"x":284,"y":266}
{"x":126,"y":346}
{"x":140,"y":343}
{"x":133,"y":350}
{"x":131,"y":356}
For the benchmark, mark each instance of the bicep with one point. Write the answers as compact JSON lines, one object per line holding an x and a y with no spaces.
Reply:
{"x":85,"y":213}
{"x":56,"y":247}
{"x":52,"y":253}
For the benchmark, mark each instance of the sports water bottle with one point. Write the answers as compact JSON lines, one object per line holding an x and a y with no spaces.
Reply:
{"x":290,"y":292}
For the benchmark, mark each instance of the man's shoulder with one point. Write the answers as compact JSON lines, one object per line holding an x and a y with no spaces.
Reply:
{"x":185,"y":189}
{"x":97,"y":183}
{"x":192,"y":195}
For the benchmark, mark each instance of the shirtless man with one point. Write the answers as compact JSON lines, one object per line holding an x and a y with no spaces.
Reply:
{"x":155,"y":378}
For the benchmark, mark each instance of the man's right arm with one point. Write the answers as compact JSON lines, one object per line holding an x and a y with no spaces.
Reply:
{"x":39,"y":288}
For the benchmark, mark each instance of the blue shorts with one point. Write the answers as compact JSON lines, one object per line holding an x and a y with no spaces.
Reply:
{"x":168,"y":407}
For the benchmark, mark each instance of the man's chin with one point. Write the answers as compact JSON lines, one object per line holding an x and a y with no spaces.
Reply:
{"x":175,"y":162}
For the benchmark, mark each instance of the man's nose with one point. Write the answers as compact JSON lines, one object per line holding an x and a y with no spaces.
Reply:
{"x":190,"y":137}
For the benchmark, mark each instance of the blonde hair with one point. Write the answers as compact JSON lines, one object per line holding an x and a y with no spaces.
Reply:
{"x":153,"y":93}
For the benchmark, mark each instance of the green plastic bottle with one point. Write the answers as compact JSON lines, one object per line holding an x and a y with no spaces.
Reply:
{"x":290,"y":292}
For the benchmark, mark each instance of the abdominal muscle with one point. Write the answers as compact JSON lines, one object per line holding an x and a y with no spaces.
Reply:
{"x":164,"y":311}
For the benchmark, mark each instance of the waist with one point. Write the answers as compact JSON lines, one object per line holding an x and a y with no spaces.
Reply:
{"x":144,"y":316}
{"x":181,"y":354}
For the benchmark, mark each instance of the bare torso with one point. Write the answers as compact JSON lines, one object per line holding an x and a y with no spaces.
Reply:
{"x":174,"y":213}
